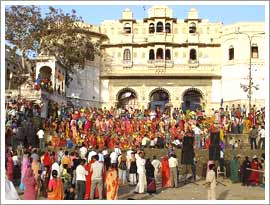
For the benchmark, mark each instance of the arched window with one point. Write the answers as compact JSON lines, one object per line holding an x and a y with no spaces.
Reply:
{"x":127,"y":28}
{"x":231,"y":53}
{"x":192,"y":28}
{"x":159,"y":53}
{"x":152,"y":54}
{"x":192,"y":54}
{"x":168,"y":28}
{"x":254,"y":51}
{"x":151,"y":28}
{"x":127,"y":55}
{"x":159,"y":27}
{"x":168,"y":54}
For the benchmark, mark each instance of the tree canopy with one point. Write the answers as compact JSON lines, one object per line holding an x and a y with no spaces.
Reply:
{"x":28,"y":33}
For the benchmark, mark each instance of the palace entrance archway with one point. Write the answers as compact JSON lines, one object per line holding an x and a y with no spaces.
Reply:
{"x":192,"y":99}
{"x":127,"y":98}
{"x":159,"y":98}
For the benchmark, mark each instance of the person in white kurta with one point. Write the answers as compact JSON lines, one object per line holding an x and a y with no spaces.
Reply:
{"x":211,"y":182}
{"x":10,"y":191}
{"x":157,"y":165}
{"x":55,"y":166}
{"x":140,"y":162}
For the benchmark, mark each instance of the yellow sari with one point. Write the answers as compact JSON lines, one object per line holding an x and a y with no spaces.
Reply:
{"x":112,"y":184}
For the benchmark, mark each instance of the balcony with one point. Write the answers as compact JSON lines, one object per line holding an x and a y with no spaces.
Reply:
{"x":169,"y":63}
{"x":160,"y":37}
{"x":127,"y":64}
{"x":193,"y":63}
{"x":160,"y":63}
{"x":151,"y":63}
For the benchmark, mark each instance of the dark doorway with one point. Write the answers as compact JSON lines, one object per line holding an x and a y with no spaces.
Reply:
{"x":159,"y":99}
{"x":192,"y":100}
{"x":126,"y":99}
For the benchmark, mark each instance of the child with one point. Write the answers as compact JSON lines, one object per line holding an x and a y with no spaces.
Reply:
{"x":70,"y":194}
{"x":45,"y":176}
{"x":39,"y":182}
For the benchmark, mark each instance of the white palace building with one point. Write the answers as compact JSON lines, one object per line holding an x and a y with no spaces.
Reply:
{"x":168,"y":62}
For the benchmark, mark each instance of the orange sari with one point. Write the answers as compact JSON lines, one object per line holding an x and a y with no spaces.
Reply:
{"x":58,"y":193}
{"x":112,"y":184}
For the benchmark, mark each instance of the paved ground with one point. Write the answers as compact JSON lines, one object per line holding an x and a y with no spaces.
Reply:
{"x":198,"y":192}
{"x":193,"y":192}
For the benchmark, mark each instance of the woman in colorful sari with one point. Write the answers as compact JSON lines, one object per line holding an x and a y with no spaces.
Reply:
{"x":25,"y":165}
{"x":112,"y":185}
{"x":30,"y":185}
{"x":246,"y":126}
{"x":10,"y":166}
{"x":35,"y":167}
{"x":165,"y":172}
{"x":88,"y":180}
{"x":150,"y":177}
{"x":254,"y":177}
{"x":55,"y":187}
{"x":235,"y":166}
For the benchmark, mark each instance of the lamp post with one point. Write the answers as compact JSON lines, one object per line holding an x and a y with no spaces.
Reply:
{"x":248,"y":88}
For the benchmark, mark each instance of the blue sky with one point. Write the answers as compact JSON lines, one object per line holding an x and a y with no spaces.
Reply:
{"x":227,"y":14}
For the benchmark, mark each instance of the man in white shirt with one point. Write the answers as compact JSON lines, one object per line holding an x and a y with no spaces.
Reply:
{"x":80,"y":180}
{"x":211,"y":182}
{"x":145,"y":141}
{"x":129,"y":152}
{"x":173,"y":164}
{"x":262,"y":138}
{"x":157,"y":165}
{"x":117,"y":150}
{"x":96,"y":179}
{"x":140,"y":162}
{"x":83,"y":151}
{"x":101,"y":157}
{"x":114,"y":158}
{"x":40,"y":135}
{"x":197,"y":132}
{"x":91,"y":154}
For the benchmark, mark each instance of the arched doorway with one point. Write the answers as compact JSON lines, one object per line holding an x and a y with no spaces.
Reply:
{"x":127,"y":98}
{"x":45,"y":73}
{"x":159,"y":98}
{"x":192,"y":99}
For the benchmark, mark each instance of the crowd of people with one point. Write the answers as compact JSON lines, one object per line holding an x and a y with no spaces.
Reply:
{"x":87,"y":174}
{"x":105,"y":127}
{"x":247,"y":172}
{"x":88,"y":153}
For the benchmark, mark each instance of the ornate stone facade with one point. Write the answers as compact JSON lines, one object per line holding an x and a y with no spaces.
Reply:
{"x":169,"y":62}
{"x":175,"y":55}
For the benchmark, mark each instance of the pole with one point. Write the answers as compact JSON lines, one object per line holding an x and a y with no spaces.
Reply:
{"x":250,"y":79}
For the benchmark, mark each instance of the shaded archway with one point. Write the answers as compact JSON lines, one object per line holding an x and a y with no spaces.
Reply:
{"x":159,"y":99}
{"x":45,"y":72}
{"x":126,"y":98}
{"x":192,"y":99}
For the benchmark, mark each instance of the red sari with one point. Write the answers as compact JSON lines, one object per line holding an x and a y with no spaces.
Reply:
{"x":165,"y":172}
{"x":10,"y":168}
{"x":88,"y":180}
{"x":254,"y":177}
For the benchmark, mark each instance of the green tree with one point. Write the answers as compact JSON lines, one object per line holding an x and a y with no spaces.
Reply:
{"x":58,"y":34}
